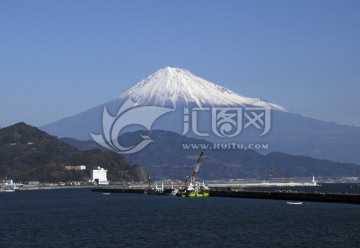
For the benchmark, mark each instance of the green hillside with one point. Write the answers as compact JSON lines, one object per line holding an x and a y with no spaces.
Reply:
{"x":29,"y":154}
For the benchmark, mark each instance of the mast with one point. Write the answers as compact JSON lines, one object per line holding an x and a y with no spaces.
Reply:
{"x":196,"y":168}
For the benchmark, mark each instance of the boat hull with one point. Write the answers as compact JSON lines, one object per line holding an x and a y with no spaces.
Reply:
{"x":193,"y":194}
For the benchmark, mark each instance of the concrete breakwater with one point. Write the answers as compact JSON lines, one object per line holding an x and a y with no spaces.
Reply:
{"x":291,"y":196}
{"x":274,"y":195}
{"x":118,"y":190}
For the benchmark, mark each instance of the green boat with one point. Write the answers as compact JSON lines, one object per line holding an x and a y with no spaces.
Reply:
{"x":194,"y":189}
{"x":199,"y":190}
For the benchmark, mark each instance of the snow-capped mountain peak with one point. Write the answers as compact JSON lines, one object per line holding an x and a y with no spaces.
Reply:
{"x":170,"y":86}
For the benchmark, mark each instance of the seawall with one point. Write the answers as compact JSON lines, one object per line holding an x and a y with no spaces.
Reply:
{"x":273,"y":195}
{"x":291,"y":196}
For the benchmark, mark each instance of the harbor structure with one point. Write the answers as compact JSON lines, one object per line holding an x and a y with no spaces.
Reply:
{"x":75,"y":167}
{"x":99,"y":176}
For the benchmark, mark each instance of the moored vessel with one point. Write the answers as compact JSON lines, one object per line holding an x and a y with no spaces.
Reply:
{"x":157,"y":190}
{"x":194,"y":189}
{"x":294,"y":203}
{"x":7,"y":190}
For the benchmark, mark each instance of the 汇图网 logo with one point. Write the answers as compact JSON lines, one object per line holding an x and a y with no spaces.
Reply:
{"x":226,"y":122}
{"x":129,"y":114}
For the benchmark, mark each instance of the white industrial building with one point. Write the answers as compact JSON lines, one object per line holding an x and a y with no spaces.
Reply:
{"x":75,"y":167}
{"x":99,"y":176}
{"x":9,"y":182}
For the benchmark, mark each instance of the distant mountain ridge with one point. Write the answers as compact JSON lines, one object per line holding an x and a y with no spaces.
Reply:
{"x":29,"y":154}
{"x":167,"y":158}
{"x":168,"y":87}
{"x":178,"y":89}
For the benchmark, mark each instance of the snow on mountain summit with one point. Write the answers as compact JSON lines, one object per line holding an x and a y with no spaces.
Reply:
{"x":170,"y":86}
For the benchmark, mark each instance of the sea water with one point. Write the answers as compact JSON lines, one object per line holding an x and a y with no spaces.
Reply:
{"x":81,"y":218}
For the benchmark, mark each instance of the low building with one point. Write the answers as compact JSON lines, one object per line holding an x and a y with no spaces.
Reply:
{"x":99,"y":176}
{"x":75,"y":167}
{"x":9,"y":181}
{"x":32,"y":183}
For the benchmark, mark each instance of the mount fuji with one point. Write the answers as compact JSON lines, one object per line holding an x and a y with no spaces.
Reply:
{"x":173,"y":86}
{"x":192,"y":99}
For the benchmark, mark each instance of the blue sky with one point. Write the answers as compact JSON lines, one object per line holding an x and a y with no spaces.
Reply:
{"x":59,"y":58}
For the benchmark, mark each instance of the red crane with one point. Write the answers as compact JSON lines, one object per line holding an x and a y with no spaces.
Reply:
{"x":196,"y":168}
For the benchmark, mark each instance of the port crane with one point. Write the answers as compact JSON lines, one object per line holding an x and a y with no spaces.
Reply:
{"x":193,"y":189}
{"x":192,"y":177}
{"x":197,"y":167}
